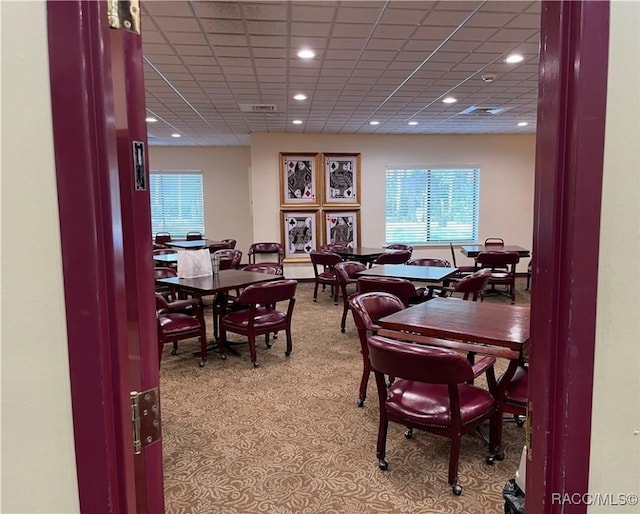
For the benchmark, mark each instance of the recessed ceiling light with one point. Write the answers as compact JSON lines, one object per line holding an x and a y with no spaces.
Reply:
{"x":374,"y":123}
{"x":150,"y":119}
{"x":300,"y":96}
{"x":514,"y":58}
{"x":305,"y":53}
{"x":449,"y":100}
{"x":297,"y":122}
{"x":522,"y":124}
{"x":176,"y":135}
{"x":412,"y":123}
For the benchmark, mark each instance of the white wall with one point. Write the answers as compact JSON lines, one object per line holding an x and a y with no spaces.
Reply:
{"x":615,"y":436}
{"x":38,"y":456}
{"x":225,"y":176}
{"x":506,"y":192}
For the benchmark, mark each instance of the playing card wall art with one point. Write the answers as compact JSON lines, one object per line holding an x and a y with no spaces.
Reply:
{"x":299,"y":180}
{"x":342,"y":228}
{"x":341,"y":180}
{"x":299,"y":234}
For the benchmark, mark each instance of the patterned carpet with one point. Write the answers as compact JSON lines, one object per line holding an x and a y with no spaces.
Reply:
{"x":288,"y":438}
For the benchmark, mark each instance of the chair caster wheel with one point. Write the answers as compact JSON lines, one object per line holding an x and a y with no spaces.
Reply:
{"x":520,"y":421}
{"x":174,"y":352}
{"x":383,"y":465}
{"x":409,"y":433}
{"x":201,"y":364}
{"x":256,"y":364}
{"x":457,"y":490}
{"x":222,"y":356}
{"x":342,"y":330}
{"x":499,"y":456}
{"x":361,"y":403}
{"x":287,"y":354}
{"x":490,"y":460}
{"x":269,"y":345}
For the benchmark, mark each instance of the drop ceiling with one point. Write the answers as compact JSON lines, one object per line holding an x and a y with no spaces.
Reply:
{"x":216,"y":72}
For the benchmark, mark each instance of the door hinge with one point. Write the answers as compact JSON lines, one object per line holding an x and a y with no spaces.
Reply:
{"x":124,"y":15}
{"x":145,"y":418}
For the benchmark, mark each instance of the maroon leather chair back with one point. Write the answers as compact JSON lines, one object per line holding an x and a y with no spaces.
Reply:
{"x":194,"y":236}
{"x":265,"y":248}
{"x":162,"y":237}
{"x":418,"y":362}
{"x":399,"y":246}
{"x":368,"y":308}
{"x":229,"y":259}
{"x":473,"y":284}
{"x":323,"y":259}
{"x":272,"y":268}
{"x":399,"y":287}
{"x":268,"y":293}
{"x":425,"y":261}
{"x":497,"y":259}
{"x":231,"y":242}
{"x":394,"y":257}
{"x":494,"y":241}
{"x":346,"y":271}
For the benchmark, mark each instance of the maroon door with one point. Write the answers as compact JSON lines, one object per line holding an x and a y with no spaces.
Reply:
{"x":99,"y":129}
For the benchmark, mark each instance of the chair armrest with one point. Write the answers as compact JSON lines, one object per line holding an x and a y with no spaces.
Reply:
{"x":179,"y":305}
{"x":485,"y":365}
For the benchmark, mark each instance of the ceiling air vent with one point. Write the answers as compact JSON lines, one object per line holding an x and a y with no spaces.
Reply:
{"x":258,"y":108}
{"x":483,"y":111}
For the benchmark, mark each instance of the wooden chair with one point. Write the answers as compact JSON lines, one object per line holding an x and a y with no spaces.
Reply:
{"x":261,"y":315}
{"x":179,"y":320}
{"x":393,"y":257}
{"x":430,"y":392}
{"x":162,"y":238}
{"x":231,"y":242}
{"x":256,"y":249}
{"x":471,"y":286}
{"x":367,"y":309}
{"x":503,"y":271}
{"x":324,"y":274}
{"x":494,"y":241}
{"x":165,"y":272}
{"x":229,"y":258}
{"x":399,"y":287}
{"x":346,"y":275}
{"x":462,"y":270}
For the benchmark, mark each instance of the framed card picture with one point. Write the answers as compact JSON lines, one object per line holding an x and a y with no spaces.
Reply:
{"x":342,"y":227}
{"x":341,"y":180}
{"x":299,"y":180}
{"x":299,"y":234}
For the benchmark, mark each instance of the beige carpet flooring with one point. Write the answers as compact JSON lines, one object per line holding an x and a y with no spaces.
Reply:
{"x":288,"y":438}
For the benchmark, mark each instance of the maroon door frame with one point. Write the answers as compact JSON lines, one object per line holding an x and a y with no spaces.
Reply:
{"x":97,"y":273}
{"x":568,"y":188}
{"x":97,"y":109}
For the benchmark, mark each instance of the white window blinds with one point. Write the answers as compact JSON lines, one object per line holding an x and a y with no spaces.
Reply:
{"x":432,"y":205}
{"x":176,"y":203}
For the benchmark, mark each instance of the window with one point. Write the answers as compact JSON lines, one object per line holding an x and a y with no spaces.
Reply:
{"x":432,"y":205}
{"x":176,"y":202}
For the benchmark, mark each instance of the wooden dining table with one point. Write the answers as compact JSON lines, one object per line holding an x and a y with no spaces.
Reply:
{"x":492,"y":329}
{"x":431,"y":274}
{"x":473,"y":250}
{"x":365,"y":255}
{"x":217,"y":285}
{"x":192,"y":244}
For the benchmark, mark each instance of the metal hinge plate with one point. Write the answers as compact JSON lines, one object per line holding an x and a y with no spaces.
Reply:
{"x":145,"y":418}
{"x":124,"y":15}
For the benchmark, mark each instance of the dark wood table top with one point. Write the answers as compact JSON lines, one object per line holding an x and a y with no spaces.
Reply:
{"x":220,"y":282}
{"x":166,"y":258}
{"x":490,"y":324}
{"x":359,"y":253}
{"x":193,"y":244}
{"x":474,"y":250}
{"x":417,"y":273}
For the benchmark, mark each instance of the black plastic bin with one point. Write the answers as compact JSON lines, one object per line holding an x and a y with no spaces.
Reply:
{"x":513,"y":498}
